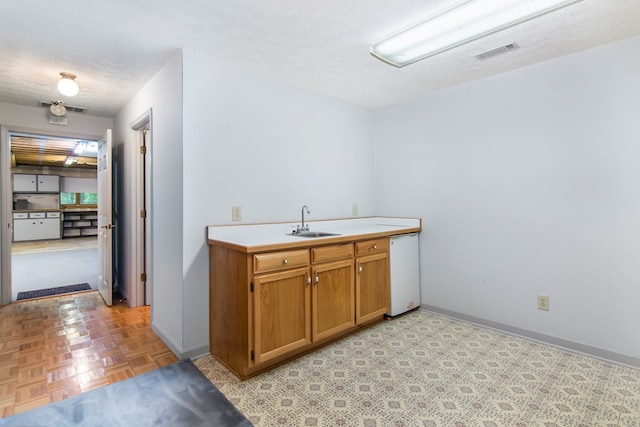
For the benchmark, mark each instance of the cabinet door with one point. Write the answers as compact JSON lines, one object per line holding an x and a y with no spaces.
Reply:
{"x":36,"y":229}
{"x":333,"y":298}
{"x":49,"y":228}
{"x":24,"y":229}
{"x":372,"y":287}
{"x":24,"y":183}
{"x":49,"y":183}
{"x":282,"y":313}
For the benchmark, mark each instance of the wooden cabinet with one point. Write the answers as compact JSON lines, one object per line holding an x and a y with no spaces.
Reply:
{"x":269,"y":307}
{"x":280,"y":260}
{"x":333,"y":291}
{"x":282,"y":313}
{"x":294,"y":305}
{"x":372,"y":279}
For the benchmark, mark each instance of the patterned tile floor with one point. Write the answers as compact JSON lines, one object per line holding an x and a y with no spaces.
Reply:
{"x":425,"y":370}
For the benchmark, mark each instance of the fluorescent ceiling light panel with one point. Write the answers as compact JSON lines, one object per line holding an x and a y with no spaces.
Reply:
{"x":70,"y":160}
{"x":80,"y":147}
{"x":464,"y":22}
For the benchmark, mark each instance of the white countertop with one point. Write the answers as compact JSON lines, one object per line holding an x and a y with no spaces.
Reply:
{"x":259,"y":235}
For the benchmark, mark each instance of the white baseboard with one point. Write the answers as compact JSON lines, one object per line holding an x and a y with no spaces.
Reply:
{"x":588,"y":350}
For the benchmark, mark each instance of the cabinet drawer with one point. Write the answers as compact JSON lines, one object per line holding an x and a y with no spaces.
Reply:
{"x":331,"y":253}
{"x":274,"y":261}
{"x":369,"y":247}
{"x":37,"y":215}
{"x":21,"y":215}
{"x":53,"y":214}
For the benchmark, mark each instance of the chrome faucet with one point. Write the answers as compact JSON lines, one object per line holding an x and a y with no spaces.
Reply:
{"x":302,"y":227}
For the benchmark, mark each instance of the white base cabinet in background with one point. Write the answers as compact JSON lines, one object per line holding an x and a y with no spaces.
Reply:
{"x":37,"y":226}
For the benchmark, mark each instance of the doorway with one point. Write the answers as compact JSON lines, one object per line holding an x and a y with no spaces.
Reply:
{"x":53,"y":238}
{"x":142,"y":126}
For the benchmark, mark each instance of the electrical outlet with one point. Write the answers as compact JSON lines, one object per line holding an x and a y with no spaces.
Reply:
{"x":236,"y":213}
{"x":543,"y":302}
{"x":354,"y":210}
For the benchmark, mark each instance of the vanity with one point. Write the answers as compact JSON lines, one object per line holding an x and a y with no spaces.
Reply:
{"x":275,"y":294}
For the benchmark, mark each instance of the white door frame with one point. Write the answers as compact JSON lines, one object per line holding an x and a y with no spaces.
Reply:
{"x":5,"y":214}
{"x":141,"y":227}
{"x":6,"y":197}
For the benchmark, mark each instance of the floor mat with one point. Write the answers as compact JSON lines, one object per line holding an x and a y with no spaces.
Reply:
{"x":175,"y":395}
{"x":39,"y":293}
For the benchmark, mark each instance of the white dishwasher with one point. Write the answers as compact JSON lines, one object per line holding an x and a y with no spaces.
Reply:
{"x":404,"y":264}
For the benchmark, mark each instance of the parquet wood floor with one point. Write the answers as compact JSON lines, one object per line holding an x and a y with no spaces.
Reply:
{"x":54,"y":348}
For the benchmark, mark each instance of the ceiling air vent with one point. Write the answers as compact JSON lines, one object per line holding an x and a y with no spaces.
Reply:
{"x":47,"y":104}
{"x":497,"y":51}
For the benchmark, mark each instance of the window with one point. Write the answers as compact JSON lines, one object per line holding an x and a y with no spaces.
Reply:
{"x":88,"y":198}
{"x":79,"y":199}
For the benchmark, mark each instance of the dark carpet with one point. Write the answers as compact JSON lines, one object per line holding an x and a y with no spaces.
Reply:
{"x":176,"y":395}
{"x":53,"y":291}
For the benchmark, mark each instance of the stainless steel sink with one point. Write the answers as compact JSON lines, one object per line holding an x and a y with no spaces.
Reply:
{"x":312,"y":234}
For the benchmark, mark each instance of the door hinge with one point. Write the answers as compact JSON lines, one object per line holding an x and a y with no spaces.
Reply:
{"x":251,"y":287}
{"x":143,"y":213}
{"x":143,"y":149}
{"x":143,"y":277}
{"x":253,"y":355}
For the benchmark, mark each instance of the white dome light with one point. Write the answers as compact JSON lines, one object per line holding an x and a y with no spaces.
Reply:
{"x":67,"y":85}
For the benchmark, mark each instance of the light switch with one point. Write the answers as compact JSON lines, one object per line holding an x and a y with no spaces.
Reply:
{"x":236,"y":213}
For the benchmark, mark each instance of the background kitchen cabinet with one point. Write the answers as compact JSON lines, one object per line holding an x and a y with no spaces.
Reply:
{"x":25,"y":183}
{"x":29,"y":183}
{"x":48,"y":183}
{"x":36,"y":226}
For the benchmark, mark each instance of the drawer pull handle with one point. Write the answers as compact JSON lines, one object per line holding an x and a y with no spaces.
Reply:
{"x":308,"y":279}
{"x":375,"y":246}
{"x":285,"y":262}
{"x":317,"y":278}
{"x":360,"y":269}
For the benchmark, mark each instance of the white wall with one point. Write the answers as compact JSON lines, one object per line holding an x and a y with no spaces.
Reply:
{"x":35,"y":119}
{"x":528,"y":184}
{"x":163,"y":94}
{"x":269,"y":148}
{"x":70,"y":184}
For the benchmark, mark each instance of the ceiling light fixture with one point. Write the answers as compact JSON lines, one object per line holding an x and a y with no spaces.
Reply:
{"x":67,"y":84}
{"x":464,"y":22}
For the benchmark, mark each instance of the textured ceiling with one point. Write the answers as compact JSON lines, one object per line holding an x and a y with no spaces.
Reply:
{"x":115,"y":46}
